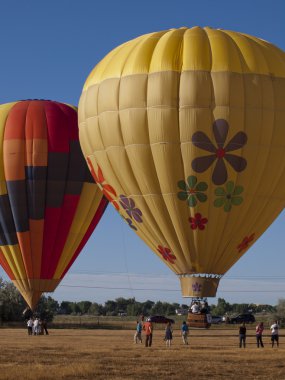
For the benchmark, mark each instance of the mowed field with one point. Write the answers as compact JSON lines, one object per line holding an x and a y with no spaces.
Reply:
{"x":111,"y":354}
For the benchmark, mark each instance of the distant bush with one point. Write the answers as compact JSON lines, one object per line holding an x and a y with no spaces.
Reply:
{"x":279,"y":315}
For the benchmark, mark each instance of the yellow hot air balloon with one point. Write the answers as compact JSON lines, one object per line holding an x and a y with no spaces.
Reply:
{"x":184,"y":130}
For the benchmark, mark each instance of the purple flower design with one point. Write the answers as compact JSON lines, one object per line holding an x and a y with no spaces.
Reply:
{"x":133,"y":212}
{"x":130,"y":223}
{"x":219,"y":153}
{"x":196,"y":287}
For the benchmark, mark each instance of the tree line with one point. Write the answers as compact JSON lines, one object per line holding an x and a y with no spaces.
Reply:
{"x":12,"y":306}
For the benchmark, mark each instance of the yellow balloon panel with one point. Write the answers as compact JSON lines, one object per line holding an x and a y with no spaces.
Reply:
{"x":191,"y":153}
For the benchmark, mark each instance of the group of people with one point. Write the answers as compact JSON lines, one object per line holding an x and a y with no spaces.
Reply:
{"x":147,"y":328}
{"x":169,"y":333}
{"x":37,"y":326}
{"x":258,"y":333}
{"x":198,"y":306}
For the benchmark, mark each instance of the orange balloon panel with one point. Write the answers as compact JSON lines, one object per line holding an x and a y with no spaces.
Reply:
{"x":184,"y":132}
{"x":49,"y":202}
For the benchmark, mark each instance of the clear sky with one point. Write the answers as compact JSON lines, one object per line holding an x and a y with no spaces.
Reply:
{"x":48,"y":48}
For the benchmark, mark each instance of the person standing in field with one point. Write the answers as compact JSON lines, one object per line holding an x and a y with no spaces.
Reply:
{"x":40,"y":329}
{"x":44,"y":326}
{"x":168,"y":334}
{"x":259,"y":330}
{"x":242,"y":335}
{"x":138,"y":333}
{"x":148,"y":329}
{"x":36,"y":327}
{"x":184,"y":332}
{"x":30,"y":326}
{"x":274,"y":333}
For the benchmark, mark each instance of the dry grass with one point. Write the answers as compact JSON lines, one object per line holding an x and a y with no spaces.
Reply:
{"x":105,"y":354}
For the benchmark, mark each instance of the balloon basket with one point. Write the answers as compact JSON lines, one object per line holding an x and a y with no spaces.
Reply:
{"x":199,"y":320}
{"x":199,"y":286}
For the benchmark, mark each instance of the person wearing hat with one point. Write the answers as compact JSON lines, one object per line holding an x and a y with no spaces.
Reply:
{"x":147,"y":328}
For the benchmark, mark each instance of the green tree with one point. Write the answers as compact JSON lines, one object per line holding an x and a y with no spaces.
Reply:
{"x":264,"y":308}
{"x":75,"y":308}
{"x":47,"y":308}
{"x":12,"y":303}
{"x":279,"y":315}
{"x":110,"y":307}
{"x":146,"y":307}
{"x":221,"y":308}
{"x":66,"y":307}
{"x":171,"y":308}
{"x":122,"y":304}
{"x":159,"y":308}
{"x":240,"y":308}
{"x":96,"y":309}
{"x":135,"y":309}
{"x":84,"y":306}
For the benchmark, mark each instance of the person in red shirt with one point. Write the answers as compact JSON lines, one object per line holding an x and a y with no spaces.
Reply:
{"x":258,"y":331}
{"x":147,"y":328}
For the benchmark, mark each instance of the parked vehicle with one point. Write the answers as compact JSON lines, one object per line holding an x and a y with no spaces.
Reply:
{"x":246,"y":318}
{"x":216,"y":319}
{"x":122,"y":314}
{"x":181,"y":311}
{"x":160,"y":319}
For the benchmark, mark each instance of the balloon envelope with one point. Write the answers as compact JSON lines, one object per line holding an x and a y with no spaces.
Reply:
{"x":49,"y":202}
{"x":184,"y":132}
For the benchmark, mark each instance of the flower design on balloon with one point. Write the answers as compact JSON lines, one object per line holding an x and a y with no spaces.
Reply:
{"x":166,"y":254}
{"x":245,"y":243}
{"x":130,"y":223}
{"x":129,"y":206}
{"x":198,"y":222}
{"x":196,"y":287}
{"x":219,"y":152}
{"x":228,"y":196}
{"x":107,"y":189}
{"x":192,"y":192}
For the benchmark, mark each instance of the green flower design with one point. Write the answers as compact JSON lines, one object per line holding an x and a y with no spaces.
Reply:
{"x":228,"y":196}
{"x":192,"y":192}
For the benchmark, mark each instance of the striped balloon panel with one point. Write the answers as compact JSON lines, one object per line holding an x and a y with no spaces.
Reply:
{"x":49,"y":202}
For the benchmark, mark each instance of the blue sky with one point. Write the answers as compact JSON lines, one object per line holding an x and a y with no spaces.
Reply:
{"x":48,"y":48}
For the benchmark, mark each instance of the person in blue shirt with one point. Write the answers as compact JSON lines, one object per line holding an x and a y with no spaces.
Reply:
{"x":138,"y":333}
{"x":184,"y":332}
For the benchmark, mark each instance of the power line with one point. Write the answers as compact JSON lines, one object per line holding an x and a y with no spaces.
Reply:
{"x":261,"y":277}
{"x":166,"y":290}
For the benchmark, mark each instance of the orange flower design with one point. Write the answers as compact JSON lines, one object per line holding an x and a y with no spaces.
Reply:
{"x":245,"y":243}
{"x":103,"y":185}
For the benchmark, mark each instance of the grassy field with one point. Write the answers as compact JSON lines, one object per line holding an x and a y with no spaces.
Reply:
{"x":111,"y":354}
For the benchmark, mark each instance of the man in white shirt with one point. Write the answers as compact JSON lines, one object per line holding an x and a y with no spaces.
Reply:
{"x":274,"y":334}
{"x":36,"y":326}
{"x":195,"y":308}
{"x":30,"y":326}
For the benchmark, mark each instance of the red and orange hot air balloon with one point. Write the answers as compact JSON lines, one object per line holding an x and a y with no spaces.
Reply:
{"x":49,"y":203}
